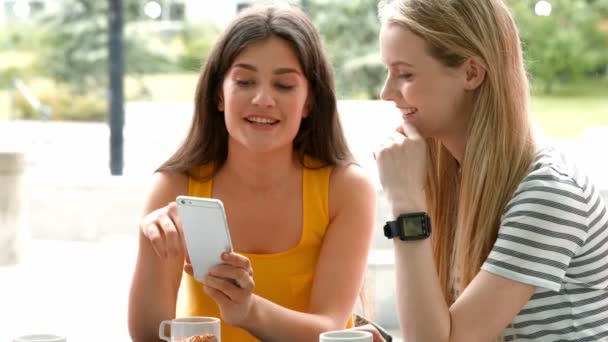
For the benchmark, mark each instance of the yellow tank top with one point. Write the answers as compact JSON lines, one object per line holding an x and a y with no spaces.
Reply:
{"x":284,"y":278}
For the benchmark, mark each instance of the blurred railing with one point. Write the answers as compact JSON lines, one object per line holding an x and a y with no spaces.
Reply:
{"x":44,"y":112}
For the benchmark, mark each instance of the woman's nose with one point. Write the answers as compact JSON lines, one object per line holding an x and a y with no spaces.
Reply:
{"x":387,"y":92}
{"x":263,"y":98}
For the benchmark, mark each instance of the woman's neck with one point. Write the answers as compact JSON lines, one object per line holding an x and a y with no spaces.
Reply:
{"x":455,"y":139}
{"x":259,"y":172}
{"x":456,"y":146}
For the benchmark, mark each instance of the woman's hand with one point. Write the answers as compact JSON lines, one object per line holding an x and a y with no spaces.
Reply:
{"x":402,"y":169}
{"x":163,"y":229}
{"x":370,"y":328}
{"x":231,"y":286}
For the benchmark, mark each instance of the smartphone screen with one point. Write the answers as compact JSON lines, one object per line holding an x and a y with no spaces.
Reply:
{"x":205,"y":232}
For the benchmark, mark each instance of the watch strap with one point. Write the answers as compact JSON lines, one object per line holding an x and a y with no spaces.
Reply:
{"x":391,"y":229}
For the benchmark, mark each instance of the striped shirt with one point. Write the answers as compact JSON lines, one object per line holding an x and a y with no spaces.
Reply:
{"x":554,"y":236}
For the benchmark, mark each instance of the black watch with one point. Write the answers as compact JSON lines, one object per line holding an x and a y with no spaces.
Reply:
{"x":414,"y":226}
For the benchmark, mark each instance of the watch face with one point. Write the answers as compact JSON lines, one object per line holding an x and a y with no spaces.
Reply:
{"x":412,"y":226}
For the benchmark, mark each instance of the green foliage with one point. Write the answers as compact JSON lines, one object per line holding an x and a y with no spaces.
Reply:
{"x":7,"y":75}
{"x":197,"y":41}
{"x":16,"y":42}
{"x":554,"y":115}
{"x":76,"y":49}
{"x":20,"y":36}
{"x":350,"y":32}
{"x":63,"y":103}
{"x":567,"y":45}
{"x":5,"y":105}
{"x":15,"y":64}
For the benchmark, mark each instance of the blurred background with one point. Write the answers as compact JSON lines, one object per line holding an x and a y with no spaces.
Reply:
{"x":94,"y":95}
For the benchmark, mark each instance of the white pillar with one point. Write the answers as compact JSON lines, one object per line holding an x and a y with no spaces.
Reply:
{"x":12,"y":204}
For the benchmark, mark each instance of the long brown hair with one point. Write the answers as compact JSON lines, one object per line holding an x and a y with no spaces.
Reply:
{"x":320,"y":134}
{"x":466,"y":201}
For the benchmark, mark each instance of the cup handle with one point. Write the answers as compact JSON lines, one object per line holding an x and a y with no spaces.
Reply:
{"x":161,"y":330}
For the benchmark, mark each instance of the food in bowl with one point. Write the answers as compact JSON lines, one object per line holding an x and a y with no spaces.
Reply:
{"x":200,"y":338}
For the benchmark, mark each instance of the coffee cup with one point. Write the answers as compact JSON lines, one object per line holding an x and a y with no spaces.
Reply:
{"x":346,"y":336}
{"x":40,"y":338}
{"x":191,"y":329}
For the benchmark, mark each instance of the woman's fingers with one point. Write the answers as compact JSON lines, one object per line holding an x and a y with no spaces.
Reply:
{"x":377,"y":337}
{"x":218,"y":296}
{"x":397,"y":138}
{"x":172,"y":237}
{"x":234,"y":278}
{"x":188,"y":268}
{"x":162,"y":228}
{"x":173,"y":214}
{"x":410,"y":131}
{"x":400,"y":130}
{"x":226,"y":286}
{"x":242,"y":278}
{"x":154,"y":234}
{"x":238,"y":260}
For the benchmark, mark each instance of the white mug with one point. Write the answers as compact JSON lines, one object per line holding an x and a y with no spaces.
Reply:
{"x":346,"y":336}
{"x":40,"y":338}
{"x":182,"y":329}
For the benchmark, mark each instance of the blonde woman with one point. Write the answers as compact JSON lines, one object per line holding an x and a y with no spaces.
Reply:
{"x":518,"y":244}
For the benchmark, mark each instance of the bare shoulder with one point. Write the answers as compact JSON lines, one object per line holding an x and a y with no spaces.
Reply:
{"x":164,"y":188}
{"x":349,"y":186}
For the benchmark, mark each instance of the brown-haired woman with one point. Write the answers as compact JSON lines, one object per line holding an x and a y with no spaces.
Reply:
{"x":266,"y":140}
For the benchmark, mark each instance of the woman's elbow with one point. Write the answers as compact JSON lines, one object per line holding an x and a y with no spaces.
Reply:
{"x":332,"y":323}
{"x":141,"y":326}
{"x":140,"y":333}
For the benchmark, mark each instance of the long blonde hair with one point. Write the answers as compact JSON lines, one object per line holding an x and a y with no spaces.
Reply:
{"x":466,"y":201}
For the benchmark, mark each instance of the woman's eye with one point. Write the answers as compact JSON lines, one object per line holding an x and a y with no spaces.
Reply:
{"x":405,"y":76}
{"x":244,"y":83}
{"x":282,"y":86}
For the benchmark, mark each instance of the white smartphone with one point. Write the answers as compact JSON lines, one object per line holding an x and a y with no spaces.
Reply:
{"x":205,"y":232}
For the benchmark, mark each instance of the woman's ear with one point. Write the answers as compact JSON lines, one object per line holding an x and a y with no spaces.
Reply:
{"x":307,"y":107}
{"x":475,"y":73}
{"x":220,"y":103}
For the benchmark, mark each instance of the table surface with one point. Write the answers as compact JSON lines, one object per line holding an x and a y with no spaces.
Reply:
{"x":78,"y":289}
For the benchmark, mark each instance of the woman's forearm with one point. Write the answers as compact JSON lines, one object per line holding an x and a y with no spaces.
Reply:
{"x":271,"y":322}
{"x":423,"y":312}
{"x":144,"y":319}
{"x":153,"y":293}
